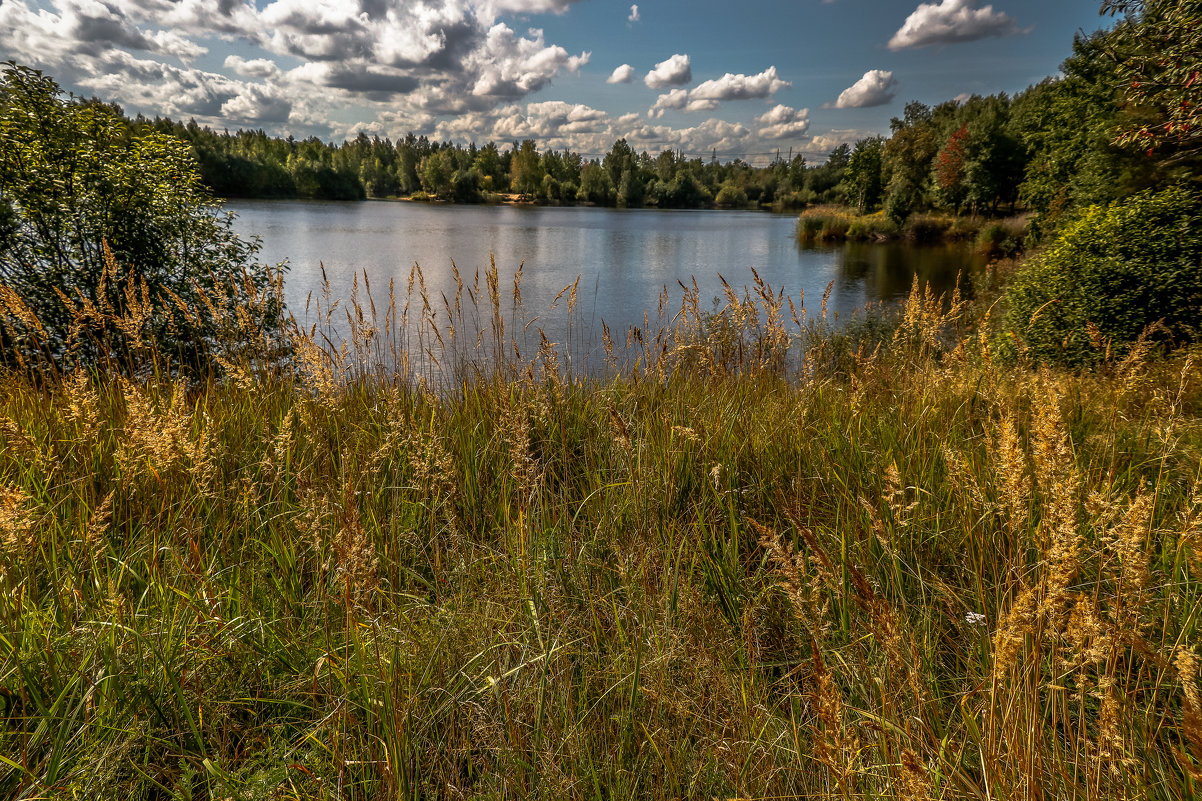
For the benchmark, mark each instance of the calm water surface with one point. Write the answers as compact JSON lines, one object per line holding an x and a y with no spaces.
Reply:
{"x":625,"y":258}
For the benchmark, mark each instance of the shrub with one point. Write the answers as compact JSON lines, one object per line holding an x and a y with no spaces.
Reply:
{"x":1109,"y":275}
{"x":809,"y":226}
{"x":109,"y":244}
{"x":999,"y":240}
{"x":925,"y":228}
{"x":731,"y":196}
{"x":860,"y":230}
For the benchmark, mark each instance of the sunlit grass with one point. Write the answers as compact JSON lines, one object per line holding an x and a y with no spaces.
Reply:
{"x":751,"y":557}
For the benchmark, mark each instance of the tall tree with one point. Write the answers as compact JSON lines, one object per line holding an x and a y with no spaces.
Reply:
{"x":1158,"y":50}
{"x":525,"y":171}
{"x":907,"y":158}
{"x":863,"y":176}
{"x":950,"y":169}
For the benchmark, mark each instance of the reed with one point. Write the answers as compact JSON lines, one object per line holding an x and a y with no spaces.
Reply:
{"x":418,"y":550}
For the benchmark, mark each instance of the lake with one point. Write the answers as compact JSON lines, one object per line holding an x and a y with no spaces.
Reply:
{"x":625,"y":258}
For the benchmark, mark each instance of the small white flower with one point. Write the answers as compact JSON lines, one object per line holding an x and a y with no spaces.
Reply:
{"x":974,"y":619}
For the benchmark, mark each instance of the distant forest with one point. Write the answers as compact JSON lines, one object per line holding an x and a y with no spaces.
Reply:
{"x":1046,"y":150}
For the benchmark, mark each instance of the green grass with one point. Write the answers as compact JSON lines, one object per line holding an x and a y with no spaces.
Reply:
{"x":726,"y":570}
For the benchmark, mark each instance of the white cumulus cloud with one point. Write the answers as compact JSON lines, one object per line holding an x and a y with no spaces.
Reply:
{"x":741,"y":87}
{"x":252,"y":68}
{"x":951,"y":21}
{"x":634,"y":15}
{"x":783,"y":122}
{"x":512,"y":66}
{"x":257,"y":105}
{"x":529,"y":6}
{"x":708,"y":95}
{"x":839,"y":136}
{"x":874,"y":89}
{"x":675,"y":71}
{"x":623,"y":74}
{"x":412,"y":58}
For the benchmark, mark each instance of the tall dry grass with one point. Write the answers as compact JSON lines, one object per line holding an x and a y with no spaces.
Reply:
{"x":415,"y":551}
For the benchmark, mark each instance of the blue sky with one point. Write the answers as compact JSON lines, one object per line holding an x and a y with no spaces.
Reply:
{"x":745,"y":78}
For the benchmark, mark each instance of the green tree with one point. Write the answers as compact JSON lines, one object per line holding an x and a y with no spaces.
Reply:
{"x":731,"y":195}
{"x":620,"y":158}
{"x":994,"y":157}
{"x":863,"y":176}
{"x":595,"y":185}
{"x":75,"y":182}
{"x":821,"y":181}
{"x":408,"y":162}
{"x":665,"y":165}
{"x":550,"y":189}
{"x":1068,"y":126}
{"x":1158,"y":50}
{"x":437,"y":172}
{"x":525,"y":170}
{"x":907,"y":160}
{"x":488,"y":164}
{"x":630,"y":188}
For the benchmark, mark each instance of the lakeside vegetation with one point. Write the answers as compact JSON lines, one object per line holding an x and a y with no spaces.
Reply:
{"x":766,"y":558}
{"x":1069,"y":142}
{"x":944,"y":550}
{"x":995,"y":239}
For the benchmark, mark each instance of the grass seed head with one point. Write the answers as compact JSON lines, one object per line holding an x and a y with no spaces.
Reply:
{"x":17,"y":516}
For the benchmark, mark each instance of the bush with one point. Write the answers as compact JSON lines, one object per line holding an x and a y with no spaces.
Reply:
{"x":1109,"y":275}
{"x":731,"y":196}
{"x":809,"y":226}
{"x":1000,"y":240}
{"x":109,"y":244}
{"x":925,"y":228}
{"x":859,"y":230}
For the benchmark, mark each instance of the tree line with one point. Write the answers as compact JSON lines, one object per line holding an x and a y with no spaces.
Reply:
{"x":254,"y":164}
{"x":1063,"y":143}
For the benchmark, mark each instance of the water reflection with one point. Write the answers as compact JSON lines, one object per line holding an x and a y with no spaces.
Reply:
{"x":887,"y":269}
{"x":624,"y":258}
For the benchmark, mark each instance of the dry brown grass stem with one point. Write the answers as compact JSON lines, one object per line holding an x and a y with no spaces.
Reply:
{"x":356,"y":565}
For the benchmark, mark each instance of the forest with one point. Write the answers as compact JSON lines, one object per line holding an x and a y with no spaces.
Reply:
{"x":1046,"y":150}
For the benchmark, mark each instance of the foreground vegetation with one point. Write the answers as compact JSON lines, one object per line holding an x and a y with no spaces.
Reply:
{"x":892,"y":567}
{"x":437,"y":551}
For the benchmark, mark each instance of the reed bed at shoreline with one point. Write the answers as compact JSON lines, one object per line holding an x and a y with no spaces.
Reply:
{"x":993,"y":238}
{"x":756,"y":556}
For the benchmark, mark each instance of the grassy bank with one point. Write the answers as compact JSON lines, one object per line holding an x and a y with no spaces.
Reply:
{"x":905,"y":571}
{"x":834,"y":224}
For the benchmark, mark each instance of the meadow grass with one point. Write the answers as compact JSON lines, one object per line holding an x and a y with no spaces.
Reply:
{"x":754,"y":557}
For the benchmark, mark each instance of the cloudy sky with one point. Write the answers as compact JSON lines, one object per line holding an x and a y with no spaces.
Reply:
{"x":743,"y":77}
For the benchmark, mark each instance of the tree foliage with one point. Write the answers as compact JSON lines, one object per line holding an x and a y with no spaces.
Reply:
{"x":100,"y":223}
{"x":1110,"y":274}
{"x":1158,"y":51}
{"x":863,"y":177}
